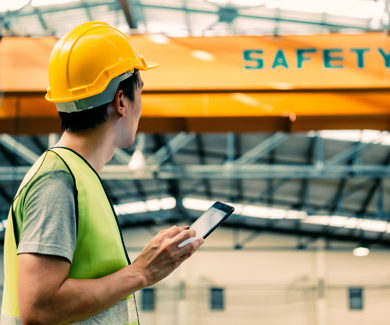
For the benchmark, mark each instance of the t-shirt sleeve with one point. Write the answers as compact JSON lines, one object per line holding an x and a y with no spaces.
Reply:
{"x":49,"y":218}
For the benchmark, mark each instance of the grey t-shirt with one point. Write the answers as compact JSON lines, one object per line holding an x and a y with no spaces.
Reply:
{"x":48,"y":206}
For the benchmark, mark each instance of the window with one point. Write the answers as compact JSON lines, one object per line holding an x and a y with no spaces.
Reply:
{"x":356,"y":298}
{"x":147,"y":299}
{"x":217,"y":299}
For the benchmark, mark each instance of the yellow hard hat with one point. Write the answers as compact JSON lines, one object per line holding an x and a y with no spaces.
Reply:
{"x":86,"y":61}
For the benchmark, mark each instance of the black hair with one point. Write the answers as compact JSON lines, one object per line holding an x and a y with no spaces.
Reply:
{"x":90,"y":118}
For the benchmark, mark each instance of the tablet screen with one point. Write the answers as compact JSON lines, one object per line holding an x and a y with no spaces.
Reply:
{"x":204,"y":223}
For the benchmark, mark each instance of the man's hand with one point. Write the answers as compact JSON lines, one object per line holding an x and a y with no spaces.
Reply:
{"x":161,"y":256}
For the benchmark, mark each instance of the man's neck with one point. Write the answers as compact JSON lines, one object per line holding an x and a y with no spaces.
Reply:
{"x":95,"y":147}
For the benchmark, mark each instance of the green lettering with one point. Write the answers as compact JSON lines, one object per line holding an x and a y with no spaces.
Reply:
{"x":360,"y":56}
{"x":386,"y":57}
{"x":328,"y":58}
{"x":248,"y":57}
{"x":300,"y":56}
{"x":280,"y":60}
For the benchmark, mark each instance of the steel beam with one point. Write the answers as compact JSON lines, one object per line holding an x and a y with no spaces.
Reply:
{"x":303,"y":196}
{"x":38,"y":143}
{"x":220,"y":172}
{"x":362,"y":186}
{"x":173,"y":184}
{"x":122,"y":156}
{"x":173,"y":146}
{"x":375,"y":184}
{"x":5,"y":195}
{"x":11,"y":144}
{"x":245,"y":172}
{"x":41,"y":20}
{"x":202,"y":158}
{"x":282,"y":13}
{"x":353,"y":151}
{"x":88,"y":12}
{"x":188,"y":20}
{"x":128,"y":14}
{"x":269,"y":144}
{"x":380,"y":202}
{"x":304,"y":233}
{"x":9,"y":156}
{"x":337,"y":199}
{"x":319,"y":151}
{"x":336,"y":205}
{"x":230,"y":157}
{"x":239,"y":185}
{"x":270,"y":181}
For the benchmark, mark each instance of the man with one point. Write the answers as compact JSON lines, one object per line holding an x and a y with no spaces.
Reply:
{"x":65,"y":261}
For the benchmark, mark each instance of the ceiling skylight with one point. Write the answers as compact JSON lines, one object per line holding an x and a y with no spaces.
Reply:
{"x":11,"y":5}
{"x":274,"y":213}
{"x":241,"y":3}
{"x":38,"y":3}
{"x":365,"y":136}
{"x":349,"y":8}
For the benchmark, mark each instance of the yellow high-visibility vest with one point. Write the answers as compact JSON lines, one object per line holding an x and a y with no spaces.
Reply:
{"x":99,"y":250}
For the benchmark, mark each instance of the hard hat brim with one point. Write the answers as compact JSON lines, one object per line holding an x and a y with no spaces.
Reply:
{"x":150,"y":65}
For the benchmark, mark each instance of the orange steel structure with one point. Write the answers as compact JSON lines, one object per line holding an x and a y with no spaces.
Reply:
{"x":220,"y":84}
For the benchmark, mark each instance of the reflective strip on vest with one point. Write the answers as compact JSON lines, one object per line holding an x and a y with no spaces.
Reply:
{"x":10,"y":320}
{"x":124,"y":312}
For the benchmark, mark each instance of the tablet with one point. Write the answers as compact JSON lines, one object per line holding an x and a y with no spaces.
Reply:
{"x":209,"y":221}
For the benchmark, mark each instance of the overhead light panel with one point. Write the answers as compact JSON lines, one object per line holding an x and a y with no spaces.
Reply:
{"x":255,"y":211}
{"x":348,"y":8}
{"x":365,"y":136}
{"x":240,"y":3}
{"x":39,"y":3}
{"x":361,"y":251}
{"x":167,"y":203}
{"x":247,"y":210}
{"x":349,"y":223}
{"x":12,"y":5}
{"x":197,"y":204}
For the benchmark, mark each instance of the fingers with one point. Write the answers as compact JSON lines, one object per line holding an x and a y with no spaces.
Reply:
{"x":186,"y":234}
{"x":174,"y":231}
{"x":189,"y":249}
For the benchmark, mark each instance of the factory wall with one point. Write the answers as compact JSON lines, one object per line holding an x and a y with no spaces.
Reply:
{"x":269,"y":282}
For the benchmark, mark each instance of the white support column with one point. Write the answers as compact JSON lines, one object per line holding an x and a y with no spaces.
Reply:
{"x":321,"y":314}
{"x":53,"y":139}
{"x":182,"y":298}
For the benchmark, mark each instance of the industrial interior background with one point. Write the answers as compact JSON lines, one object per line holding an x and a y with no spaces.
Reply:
{"x":279,"y":107}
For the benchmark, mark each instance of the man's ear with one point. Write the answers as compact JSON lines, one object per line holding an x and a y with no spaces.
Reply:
{"x":119,"y":104}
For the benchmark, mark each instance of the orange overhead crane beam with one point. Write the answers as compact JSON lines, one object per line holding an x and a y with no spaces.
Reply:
{"x":219,"y":84}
